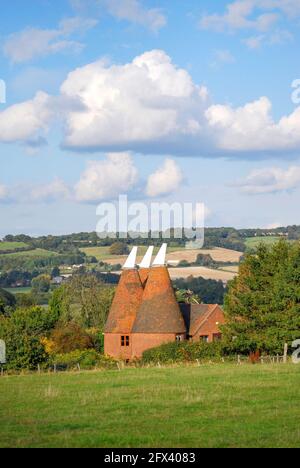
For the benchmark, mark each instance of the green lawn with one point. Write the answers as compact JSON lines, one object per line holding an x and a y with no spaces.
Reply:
{"x":36,"y":253}
{"x":18,"y":290}
{"x":4,"y":246}
{"x":253,"y":242}
{"x":207,"y":406}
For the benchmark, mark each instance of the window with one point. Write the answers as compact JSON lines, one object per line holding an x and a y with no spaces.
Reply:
{"x":125,"y":341}
{"x":204,"y":338}
{"x":217,"y":336}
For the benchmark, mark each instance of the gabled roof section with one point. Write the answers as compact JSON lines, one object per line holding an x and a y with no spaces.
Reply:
{"x":199,"y":313}
{"x":159,"y":311}
{"x":126,"y":303}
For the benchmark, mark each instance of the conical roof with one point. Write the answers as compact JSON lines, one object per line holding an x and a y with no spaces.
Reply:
{"x":126,"y":303}
{"x":159,"y":311}
{"x":144,"y":273}
{"x":145,"y":265}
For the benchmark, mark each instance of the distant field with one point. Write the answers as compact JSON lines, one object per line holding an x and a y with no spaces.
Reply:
{"x":102,"y":254}
{"x":202,"y":272}
{"x":32,"y":253}
{"x":18,"y":290}
{"x":4,"y":246}
{"x":217,"y":254}
{"x":218,"y":405}
{"x":253,"y":242}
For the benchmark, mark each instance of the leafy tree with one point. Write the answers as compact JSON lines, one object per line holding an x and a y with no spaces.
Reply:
{"x":55,"y":272}
{"x":205,"y":260}
{"x":262,"y":306}
{"x":119,"y":248}
{"x":184,"y":296}
{"x":7,"y":300}
{"x":210,"y":291}
{"x":41,"y":284}
{"x":84,"y":300}
{"x":70,"y":337}
{"x":23,"y":332}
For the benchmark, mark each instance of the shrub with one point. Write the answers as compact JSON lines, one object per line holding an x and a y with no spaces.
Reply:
{"x":119,"y":248}
{"x":87,"y":359}
{"x":70,"y":337}
{"x":184,"y":351}
{"x":22,"y":333}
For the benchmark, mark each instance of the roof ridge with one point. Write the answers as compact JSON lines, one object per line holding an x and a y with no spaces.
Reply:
{"x":207,"y":315}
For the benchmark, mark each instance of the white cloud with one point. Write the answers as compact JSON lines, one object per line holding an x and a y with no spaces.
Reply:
{"x":135,"y":12}
{"x":260,"y":16}
{"x":221,"y":57}
{"x":33,"y":43}
{"x":56,"y":190}
{"x":23,"y":122}
{"x":150,"y":106}
{"x":144,"y":102}
{"x":3,"y":192}
{"x":239,"y":15}
{"x":274,"y":225}
{"x":271,"y":180}
{"x":107,"y":179}
{"x":165,"y":180}
{"x":252,"y":128}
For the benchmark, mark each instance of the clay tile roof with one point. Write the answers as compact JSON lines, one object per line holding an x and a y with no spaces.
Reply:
{"x":159,"y":311}
{"x":199,"y":313}
{"x":126,"y":303}
{"x":144,"y":273}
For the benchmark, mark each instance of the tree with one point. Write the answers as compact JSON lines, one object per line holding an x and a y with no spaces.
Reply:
{"x":262,"y":306}
{"x":55,"y":272}
{"x":210,"y":291}
{"x":84,"y":300}
{"x":119,"y":248}
{"x":7,"y":300}
{"x":41,"y":283}
{"x":23,"y":332}
{"x":70,"y":337}
{"x":184,"y":296}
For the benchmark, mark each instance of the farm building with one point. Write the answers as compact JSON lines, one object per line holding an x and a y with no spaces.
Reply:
{"x":145,"y":313}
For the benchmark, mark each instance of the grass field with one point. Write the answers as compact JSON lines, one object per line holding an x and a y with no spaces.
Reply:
{"x":36,"y":253}
{"x":253,"y":242}
{"x":4,"y":246}
{"x":207,"y":406}
{"x":102,"y":254}
{"x":18,"y":290}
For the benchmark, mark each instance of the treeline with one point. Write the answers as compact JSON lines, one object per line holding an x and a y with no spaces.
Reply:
{"x":209,"y":291}
{"x":30,"y":263}
{"x":227,"y":237}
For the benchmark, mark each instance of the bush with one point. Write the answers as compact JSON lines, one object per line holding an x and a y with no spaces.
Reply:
{"x":70,"y":337}
{"x":184,"y":351}
{"x":23,"y":332}
{"x":6,"y":300}
{"x":87,"y":359}
{"x":119,"y":248}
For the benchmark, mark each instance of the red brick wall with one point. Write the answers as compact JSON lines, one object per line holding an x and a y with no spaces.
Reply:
{"x":113,"y":348}
{"x":143,"y":341}
{"x":210,"y":327}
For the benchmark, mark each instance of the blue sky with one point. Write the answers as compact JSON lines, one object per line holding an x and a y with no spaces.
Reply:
{"x":170,"y":101}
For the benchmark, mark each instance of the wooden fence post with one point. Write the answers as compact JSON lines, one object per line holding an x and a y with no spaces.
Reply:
{"x":285,"y":353}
